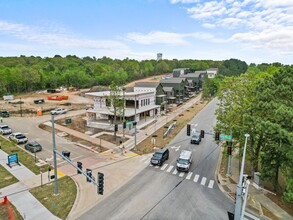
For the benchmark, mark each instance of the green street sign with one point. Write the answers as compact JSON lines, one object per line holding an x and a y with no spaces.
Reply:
{"x":223,"y":136}
{"x":129,"y":122}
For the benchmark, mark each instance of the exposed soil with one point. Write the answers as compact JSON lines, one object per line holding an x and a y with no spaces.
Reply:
{"x":111,"y":139}
{"x":268,"y":213}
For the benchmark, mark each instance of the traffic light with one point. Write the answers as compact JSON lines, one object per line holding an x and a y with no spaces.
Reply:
{"x":66,"y":154}
{"x":217,"y":136}
{"x":124,"y":125}
{"x":229,"y":150}
{"x":134,"y":123}
{"x":202,"y":133}
{"x":188,"y":129}
{"x":100,"y":183}
{"x":116,"y":127}
{"x":89,"y":174}
{"x":79,"y":165}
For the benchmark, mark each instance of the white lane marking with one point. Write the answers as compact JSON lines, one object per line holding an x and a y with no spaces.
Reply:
{"x":175,"y":172}
{"x":211,"y":184}
{"x":164,"y":167}
{"x":169,"y":169}
{"x":181,"y":174}
{"x":176,"y":148}
{"x":156,"y":167}
{"x":151,"y":165}
{"x":203,"y":181}
{"x":189,"y":175}
{"x":251,"y":216}
{"x":196,"y":178}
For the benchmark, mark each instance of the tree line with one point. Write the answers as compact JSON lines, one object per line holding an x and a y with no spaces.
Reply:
{"x":26,"y":74}
{"x":260,"y":103}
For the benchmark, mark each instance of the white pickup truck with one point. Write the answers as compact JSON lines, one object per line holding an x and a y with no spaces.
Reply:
{"x":4,"y":129}
{"x":58,"y":111}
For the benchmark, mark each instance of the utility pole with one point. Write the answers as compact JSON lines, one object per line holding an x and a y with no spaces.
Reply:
{"x":238,"y":206}
{"x":135,"y":122}
{"x":124,"y":106}
{"x":54,"y":155}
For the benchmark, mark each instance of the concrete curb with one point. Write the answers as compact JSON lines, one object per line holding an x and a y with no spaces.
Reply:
{"x":76,"y":199}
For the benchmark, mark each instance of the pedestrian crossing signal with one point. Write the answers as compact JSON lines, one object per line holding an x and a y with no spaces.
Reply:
{"x":202,"y":133}
{"x":229,"y":150}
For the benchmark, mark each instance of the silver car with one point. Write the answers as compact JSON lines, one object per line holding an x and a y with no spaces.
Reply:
{"x":18,"y":137}
{"x":4,"y":129}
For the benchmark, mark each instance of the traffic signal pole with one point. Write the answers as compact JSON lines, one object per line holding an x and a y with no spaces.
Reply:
{"x":239,"y":205}
{"x":54,"y":155}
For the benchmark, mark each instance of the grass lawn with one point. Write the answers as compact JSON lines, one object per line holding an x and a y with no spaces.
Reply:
{"x":6,"y":178}
{"x":61,"y":204}
{"x":24,"y":157}
{"x":4,"y":214}
{"x":146,"y":146}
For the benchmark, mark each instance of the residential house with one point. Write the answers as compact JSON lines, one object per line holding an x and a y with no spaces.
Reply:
{"x":180,"y":71}
{"x":170,"y":95}
{"x":180,"y":88}
{"x":154,"y":87}
{"x":138,"y":106}
{"x":212,"y":72}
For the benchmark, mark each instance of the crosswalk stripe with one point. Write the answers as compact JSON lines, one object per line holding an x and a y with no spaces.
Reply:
{"x":151,"y":165}
{"x":175,"y":172}
{"x":164,"y":167}
{"x":189,"y":175}
{"x":203,"y":181}
{"x":250,"y":216}
{"x":156,"y":167}
{"x":196,"y":178}
{"x":211,"y":184}
{"x":169,"y":169}
{"x":181,"y":174}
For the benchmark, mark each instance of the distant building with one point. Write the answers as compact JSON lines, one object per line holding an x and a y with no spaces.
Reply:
{"x":212,"y":72}
{"x":180,"y":71}
{"x":159,"y":56}
{"x":180,"y":88}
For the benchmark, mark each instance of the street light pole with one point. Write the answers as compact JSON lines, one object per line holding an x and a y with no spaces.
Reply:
{"x":54,"y":155}
{"x":239,"y":190}
{"x":135,"y":122}
{"x":124,"y":105}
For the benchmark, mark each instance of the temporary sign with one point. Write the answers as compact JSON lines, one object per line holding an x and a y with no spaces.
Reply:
{"x":12,"y":159}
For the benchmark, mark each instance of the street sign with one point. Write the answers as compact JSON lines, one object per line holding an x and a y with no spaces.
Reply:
{"x":223,"y":136}
{"x":129,"y":122}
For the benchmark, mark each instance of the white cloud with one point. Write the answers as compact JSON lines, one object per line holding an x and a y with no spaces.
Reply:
{"x":157,"y":37}
{"x":57,"y":39}
{"x":268,"y":23}
{"x":183,"y":1}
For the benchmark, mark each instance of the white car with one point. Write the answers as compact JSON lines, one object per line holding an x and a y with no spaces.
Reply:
{"x":58,"y":111}
{"x":4,"y":129}
{"x":18,"y":138}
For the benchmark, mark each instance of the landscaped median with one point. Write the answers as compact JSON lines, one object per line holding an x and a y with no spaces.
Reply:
{"x":6,"y":178}
{"x":61,"y":204}
{"x":147,"y":146}
{"x":24,"y":157}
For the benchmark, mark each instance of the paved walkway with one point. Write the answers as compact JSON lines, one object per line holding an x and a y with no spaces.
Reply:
{"x":27,"y":205}
{"x":256,"y":198}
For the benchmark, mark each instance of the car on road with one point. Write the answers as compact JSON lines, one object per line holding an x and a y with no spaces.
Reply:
{"x":184,"y":161}
{"x":195,"y":139}
{"x":39,"y":101}
{"x":18,"y":137}
{"x":4,"y":114}
{"x":58,"y":111}
{"x":33,"y":146}
{"x":4,"y":129}
{"x":160,"y":156}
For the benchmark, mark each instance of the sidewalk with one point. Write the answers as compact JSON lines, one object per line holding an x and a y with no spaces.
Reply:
{"x":256,"y":198}
{"x":26,"y":204}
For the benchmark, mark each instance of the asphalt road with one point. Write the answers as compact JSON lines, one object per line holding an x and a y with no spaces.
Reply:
{"x":29,"y":127}
{"x":163,"y":193}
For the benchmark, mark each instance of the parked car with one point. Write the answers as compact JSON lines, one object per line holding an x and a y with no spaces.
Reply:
{"x":4,"y":129}
{"x":4,"y":114}
{"x":195,"y":139}
{"x":18,"y":138}
{"x":160,"y":156}
{"x":58,"y":111}
{"x":39,"y":101}
{"x":33,"y":146}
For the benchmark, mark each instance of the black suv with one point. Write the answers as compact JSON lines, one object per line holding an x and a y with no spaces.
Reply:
{"x":160,"y":156}
{"x":195,"y":139}
{"x":4,"y":114}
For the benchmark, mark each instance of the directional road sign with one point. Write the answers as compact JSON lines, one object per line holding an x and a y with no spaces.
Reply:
{"x":223,"y":136}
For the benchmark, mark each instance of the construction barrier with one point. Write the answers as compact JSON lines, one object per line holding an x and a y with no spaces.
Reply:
{"x":39,"y":112}
{"x":8,"y":208}
{"x":58,"y":97}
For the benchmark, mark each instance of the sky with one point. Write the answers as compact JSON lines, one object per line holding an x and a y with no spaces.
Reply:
{"x":254,"y":31}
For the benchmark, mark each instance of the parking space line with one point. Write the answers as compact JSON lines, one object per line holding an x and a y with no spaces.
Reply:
{"x":203,"y":181}
{"x":169,"y":169}
{"x":196,"y":178}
